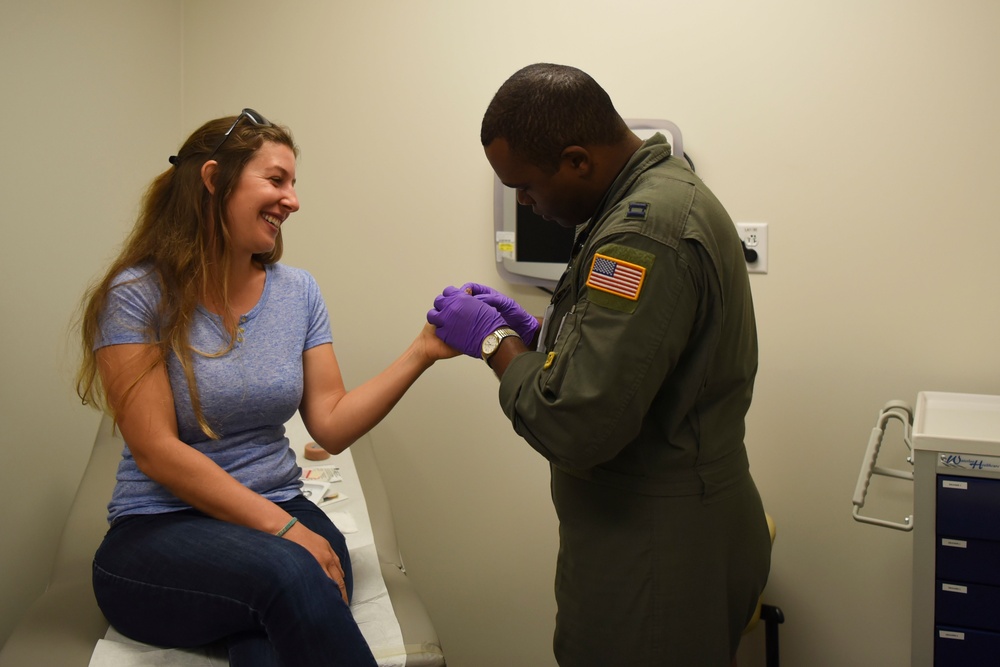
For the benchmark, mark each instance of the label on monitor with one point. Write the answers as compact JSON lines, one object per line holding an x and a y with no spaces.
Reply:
{"x":506,"y":245}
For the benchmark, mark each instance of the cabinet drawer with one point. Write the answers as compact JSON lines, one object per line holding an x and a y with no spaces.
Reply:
{"x":968,"y":560}
{"x":960,"y":647}
{"x":959,"y":604}
{"x":967,"y":507}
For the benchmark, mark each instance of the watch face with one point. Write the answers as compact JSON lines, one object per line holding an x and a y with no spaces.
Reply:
{"x":490,"y":344}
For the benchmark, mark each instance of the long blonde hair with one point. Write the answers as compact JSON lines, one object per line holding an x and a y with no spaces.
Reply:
{"x":182,"y":233}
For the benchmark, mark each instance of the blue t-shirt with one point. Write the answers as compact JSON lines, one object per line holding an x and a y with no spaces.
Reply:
{"x":247,"y":394}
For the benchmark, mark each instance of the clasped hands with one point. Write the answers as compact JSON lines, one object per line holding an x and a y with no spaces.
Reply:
{"x":464,"y":316}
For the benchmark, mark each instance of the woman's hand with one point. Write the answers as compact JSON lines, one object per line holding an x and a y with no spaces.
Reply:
{"x":434,"y":347}
{"x":323,"y":553}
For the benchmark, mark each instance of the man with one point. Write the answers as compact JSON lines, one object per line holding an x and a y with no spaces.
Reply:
{"x":640,"y":383}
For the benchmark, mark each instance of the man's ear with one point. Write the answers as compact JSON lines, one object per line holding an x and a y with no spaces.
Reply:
{"x":578,"y":159}
{"x":208,"y":173}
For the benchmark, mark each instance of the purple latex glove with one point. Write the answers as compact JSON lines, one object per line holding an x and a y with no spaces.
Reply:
{"x":463,"y":321}
{"x":518,"y":319}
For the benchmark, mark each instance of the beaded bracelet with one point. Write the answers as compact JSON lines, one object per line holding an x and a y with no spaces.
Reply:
{"x":287,"y":526}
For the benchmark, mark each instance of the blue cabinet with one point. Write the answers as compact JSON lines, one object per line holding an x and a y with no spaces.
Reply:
{"x":967,"y":590}
{"x":956,"y":557}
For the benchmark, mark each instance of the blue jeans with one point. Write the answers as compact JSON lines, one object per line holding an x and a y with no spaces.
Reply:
{"x":183,"y":579}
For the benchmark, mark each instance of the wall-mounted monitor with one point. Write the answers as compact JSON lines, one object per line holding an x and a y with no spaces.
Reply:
{"x":530,"y":250}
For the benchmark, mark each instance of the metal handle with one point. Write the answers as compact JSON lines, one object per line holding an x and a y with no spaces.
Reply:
{"x":892,"y":410}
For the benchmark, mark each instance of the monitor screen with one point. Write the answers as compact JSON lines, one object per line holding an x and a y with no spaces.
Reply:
{"x":540,"y":240}
{"x":530,"y":250}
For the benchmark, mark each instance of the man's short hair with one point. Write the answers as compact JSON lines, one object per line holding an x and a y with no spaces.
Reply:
{"x":543,"y":108}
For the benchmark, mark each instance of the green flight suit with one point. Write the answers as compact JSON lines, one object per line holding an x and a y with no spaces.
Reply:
{"x":638,"y":398}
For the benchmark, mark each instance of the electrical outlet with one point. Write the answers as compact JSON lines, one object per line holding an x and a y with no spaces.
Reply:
{"x":754,"y":237}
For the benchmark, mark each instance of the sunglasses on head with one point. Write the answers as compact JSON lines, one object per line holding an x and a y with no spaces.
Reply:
{"x":251,"y":115}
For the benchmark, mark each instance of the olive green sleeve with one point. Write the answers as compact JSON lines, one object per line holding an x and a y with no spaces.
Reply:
{"x":587,"y":399}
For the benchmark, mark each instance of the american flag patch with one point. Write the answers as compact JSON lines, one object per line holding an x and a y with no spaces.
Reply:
{"x":616,"y":276}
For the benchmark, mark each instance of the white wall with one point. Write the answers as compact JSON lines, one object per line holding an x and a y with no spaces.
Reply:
{"x":863,"y":132}
{"x":91,"y":99}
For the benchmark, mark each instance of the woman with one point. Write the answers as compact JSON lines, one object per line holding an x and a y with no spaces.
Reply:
{"x":202,"y":346}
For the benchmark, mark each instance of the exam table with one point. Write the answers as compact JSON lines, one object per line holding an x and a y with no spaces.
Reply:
{"x":63,"y":626}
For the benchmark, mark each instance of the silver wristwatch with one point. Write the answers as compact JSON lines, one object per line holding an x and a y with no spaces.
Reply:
{"x":492,"y":342}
